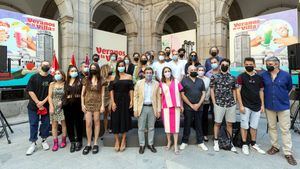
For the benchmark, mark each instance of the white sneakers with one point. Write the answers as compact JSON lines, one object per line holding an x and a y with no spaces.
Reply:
{"x":258,"y":149}
{"x":45,"y":145}
{"x":245,"y":149}
{"x":203,"y":146}
{"x":33,"y":147}
{"x":182,"y":146}
{"x":233,"y":149}
{"x":216,"y":145}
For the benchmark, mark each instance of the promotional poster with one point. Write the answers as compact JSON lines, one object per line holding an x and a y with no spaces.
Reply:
{"x":105,"y":43}
{"x":29,"y":40}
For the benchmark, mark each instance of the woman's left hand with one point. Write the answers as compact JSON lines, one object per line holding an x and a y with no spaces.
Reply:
{"x":131,"y":104}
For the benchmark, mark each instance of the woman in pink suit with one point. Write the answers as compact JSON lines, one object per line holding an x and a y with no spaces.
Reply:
{"x":171,"y":106}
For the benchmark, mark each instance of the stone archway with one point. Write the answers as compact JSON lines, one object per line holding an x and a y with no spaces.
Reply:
{"x":120,"y":14}
{"x":165,"y":14}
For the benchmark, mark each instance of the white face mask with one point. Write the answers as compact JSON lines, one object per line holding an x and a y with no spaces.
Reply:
{"x":167,"y":74}
{"x":201,"y":73}
{"x":161,"y":57}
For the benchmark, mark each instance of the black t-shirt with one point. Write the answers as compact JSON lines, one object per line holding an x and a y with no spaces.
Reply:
{"x":251,"y":86}
{"x":192,"y":90}
{"x":39,"y":85}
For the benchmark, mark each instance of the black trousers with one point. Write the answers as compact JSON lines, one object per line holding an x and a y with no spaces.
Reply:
{"x":189,"y":117}
{"x":205,"y":119}
{"x":74,"y":119}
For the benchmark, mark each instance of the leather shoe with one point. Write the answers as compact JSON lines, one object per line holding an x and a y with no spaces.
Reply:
{"x":73,"y":147}
{"x":142,"y":149}
{"x":152,"y":148}
{"x":78,"y":146}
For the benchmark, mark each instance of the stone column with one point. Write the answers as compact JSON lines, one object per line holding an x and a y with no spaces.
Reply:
{"x":66,"y":33}
{"x":132,"y":43}
{"x":222,"y":41}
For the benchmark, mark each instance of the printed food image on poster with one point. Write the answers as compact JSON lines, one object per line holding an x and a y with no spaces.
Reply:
{"x":263,"y":36}
{"x":185,"y":39}
{"x":105,"y":43}
{"x":29,"y":41}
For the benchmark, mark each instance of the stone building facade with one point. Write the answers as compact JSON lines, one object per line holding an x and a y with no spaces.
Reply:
{"x":144,"y":21}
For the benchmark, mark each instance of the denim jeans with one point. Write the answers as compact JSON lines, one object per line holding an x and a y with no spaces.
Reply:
{"x":34,"y":120}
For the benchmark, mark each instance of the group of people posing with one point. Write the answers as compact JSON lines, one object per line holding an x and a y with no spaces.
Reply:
{"x":151,"y":89}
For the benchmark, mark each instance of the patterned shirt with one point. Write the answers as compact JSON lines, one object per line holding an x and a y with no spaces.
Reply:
{"x":223,"y":85}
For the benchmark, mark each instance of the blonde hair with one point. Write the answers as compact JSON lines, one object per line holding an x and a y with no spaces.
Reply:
{"x":105,"y":69}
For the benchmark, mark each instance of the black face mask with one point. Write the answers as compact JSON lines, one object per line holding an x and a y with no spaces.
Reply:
{"x":136,"y":59}
{"x":168,"y":53}
{"x":270,"y":68}
{"x":194,"y":74}
{"x":45,"y":68}
{"x":93,"y":72}
{"x":143,"y":62}
{"x":249,"y":68}
{"x":96,"y":59}
{"x":181,"y":55}
{"x":214,"y":53}
{"x":224,"y":68}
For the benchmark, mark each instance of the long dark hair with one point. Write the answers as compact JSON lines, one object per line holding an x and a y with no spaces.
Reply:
{"x":75,"y":89}
{"x":190,"y":58}
{"x":117,"y":77}
{"x":98,"y":76}
{"x":163,"y":78}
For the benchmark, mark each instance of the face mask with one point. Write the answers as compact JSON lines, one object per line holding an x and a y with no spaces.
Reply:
{"x":136,"y":59}
{"x":201,"y":73}
{"x":224,"y":68}
{"x":194,"y":74}
{"x":214,"y":54}
{"x":86,"y":69}
{"x":175,"y":57}
{"x":143,"y":62}
{"x":148,"y":77}
{"x":249,"y":68}
{"x":194,"y":58}
{"x":73,"y":74}
{"x":96,"y":59}
{"x":45,"y":68}
{"x":121,"y":69}
{"x":181,"y":55}
{"x":93,"y":71}
{"x":126,"y":61}
{"x":57,"y":77}
{"x":214,"y":66}
{"x":270,"y":68}
{"x":168,"y":53}
{"x":167,"y":75}
{"x":113,"y":58}
{"x":161,"y":57}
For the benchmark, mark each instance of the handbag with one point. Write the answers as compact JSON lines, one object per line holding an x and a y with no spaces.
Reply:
{"x":42,"y":111}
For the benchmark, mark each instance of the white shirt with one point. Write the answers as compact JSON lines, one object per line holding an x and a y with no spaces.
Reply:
{"x":206,"y":81}
{"x":158,"y":67}
{"x":177,"y":70}
{"x":148,"y":93}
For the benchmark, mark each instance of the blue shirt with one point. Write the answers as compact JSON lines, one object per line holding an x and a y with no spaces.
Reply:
{"x":277,"y":91}
{"x":208,"y":64}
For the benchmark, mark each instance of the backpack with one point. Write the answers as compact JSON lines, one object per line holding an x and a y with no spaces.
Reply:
{"x":225,"y":140}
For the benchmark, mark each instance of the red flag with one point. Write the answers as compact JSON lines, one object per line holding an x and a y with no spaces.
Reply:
{"x":54,"y":65}
{"x":87,"y":60}
{"x":73,"y":62}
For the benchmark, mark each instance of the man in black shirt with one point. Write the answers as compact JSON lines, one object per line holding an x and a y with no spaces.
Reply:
{"x":193,"y":95}
{"x":251,"y":100}
{"x":37,"y":88}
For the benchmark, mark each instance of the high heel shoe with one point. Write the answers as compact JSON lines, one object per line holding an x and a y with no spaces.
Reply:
{"x":123,"y":147}
{"x":168,"y":147}
{"x":117,"y":147}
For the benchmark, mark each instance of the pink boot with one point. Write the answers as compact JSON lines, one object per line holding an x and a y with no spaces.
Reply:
{"x":63,"y":142}
{"x":55,"y":145}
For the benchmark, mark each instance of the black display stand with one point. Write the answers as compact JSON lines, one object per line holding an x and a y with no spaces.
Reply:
{"x":4,"y":125}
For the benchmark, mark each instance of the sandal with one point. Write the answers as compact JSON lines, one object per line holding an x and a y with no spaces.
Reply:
{"x":86,"y":150}
{"x":273,"y":150}
{"x":117,"y":147}
{"x":123,"y":147}
{"x":290,"y":159}
{"x":177,"y":152}
{"x":95,"y":149}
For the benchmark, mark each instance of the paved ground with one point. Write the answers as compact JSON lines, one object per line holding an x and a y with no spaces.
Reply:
{"x":13,"y":156}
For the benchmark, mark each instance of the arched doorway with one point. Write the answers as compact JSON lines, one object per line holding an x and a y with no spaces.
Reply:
{"x":175,"y":17}
{"x":116,"y":18}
